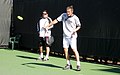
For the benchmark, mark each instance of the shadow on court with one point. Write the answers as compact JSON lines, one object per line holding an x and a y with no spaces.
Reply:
{"x":40,"y":64}
{"x":43,"y":64}
{"x":26,"y":57}
{"x":114,"y":70}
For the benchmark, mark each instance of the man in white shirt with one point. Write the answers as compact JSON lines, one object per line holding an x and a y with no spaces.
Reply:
{"x":44,"y":34}
{"x":71,"y":24}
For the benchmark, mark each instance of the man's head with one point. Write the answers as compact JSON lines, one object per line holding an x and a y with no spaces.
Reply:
{"x":45,"y":14}
{"x":69,"y":10}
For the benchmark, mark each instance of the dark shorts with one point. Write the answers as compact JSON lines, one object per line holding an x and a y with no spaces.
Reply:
{"x":42,"y":41}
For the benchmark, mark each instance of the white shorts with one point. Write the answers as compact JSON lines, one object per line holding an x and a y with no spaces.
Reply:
{"x":70,"y":41}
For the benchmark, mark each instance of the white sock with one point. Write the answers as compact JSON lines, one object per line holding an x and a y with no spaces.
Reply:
{"x":68,"y":62}
{"x":78,"y":63}
{"x":41,"y":55}
{"x":46,"y":56}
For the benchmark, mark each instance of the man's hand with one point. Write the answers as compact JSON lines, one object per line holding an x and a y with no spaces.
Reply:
{"x":73,"y":33}
{"x":52,"y":23}
{"x":75,"y":30}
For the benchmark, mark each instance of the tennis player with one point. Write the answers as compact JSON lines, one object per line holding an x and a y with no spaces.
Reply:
{"x":71,"y":24}
{"x":44,"y":35}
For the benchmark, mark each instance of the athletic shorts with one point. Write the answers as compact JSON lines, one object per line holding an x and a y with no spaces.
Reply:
{"x":42,"y":41}
{"x":70,"y":42}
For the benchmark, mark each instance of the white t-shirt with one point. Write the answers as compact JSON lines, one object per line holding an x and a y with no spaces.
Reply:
{"x":42,"y":32}
{"x":69,"y":24}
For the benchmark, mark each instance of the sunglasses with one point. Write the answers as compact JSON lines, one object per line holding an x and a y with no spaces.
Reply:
{"x":44,"y":13}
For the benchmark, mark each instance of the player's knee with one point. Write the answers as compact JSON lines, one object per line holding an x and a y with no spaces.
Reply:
{"x":75,"y":50}
{"x":66,"y":49}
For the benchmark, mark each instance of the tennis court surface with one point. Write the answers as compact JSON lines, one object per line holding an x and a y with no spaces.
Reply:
{"x":15,"y":62}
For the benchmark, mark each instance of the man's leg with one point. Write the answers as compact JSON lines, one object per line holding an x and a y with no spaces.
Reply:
{"x":41,"y":52}
{"x":65,"y":46}
{"x":76,"y":56}
{"x":47,"y":49}
{"x":67,"y":56}
{"x":77,"y":59}
{"x":74,"y":48}
{"x":68,"y":65}
{"x":47,"y":53}
{"x":41,"y":48}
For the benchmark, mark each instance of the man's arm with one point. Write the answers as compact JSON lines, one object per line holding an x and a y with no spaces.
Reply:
{"x":78,"y":24}
{"x":76,"y":29}
{"x":52,"y":23}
